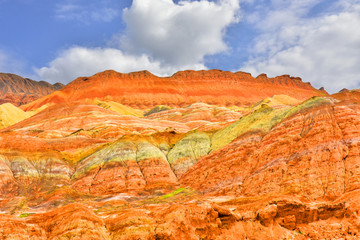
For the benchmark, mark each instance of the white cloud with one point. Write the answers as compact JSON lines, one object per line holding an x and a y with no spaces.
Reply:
{"x":161,"y":36}
{"x":81,"y":61}
{"x":178,"y":34}
{"x":324,"y":50}
{"x":85,"y":12}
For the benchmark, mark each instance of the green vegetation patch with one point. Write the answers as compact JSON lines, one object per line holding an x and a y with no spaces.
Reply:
{"x":178,"y":195}
{"x":172,"y":194}
{"x":157,"y":109}
{"x":24,"y":215}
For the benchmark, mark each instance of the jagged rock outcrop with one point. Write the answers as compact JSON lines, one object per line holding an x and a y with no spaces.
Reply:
{"x":18,"y":91}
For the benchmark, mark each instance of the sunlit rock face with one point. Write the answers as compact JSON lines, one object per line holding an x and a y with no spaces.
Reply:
{"x":144,"y":90}
{"x":9,"y":115}
{"x":307,"y":153}
{"x":282,"y":165}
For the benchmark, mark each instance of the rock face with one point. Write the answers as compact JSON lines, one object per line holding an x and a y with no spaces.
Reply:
{"x":18,"y":91}
{"x":124,"y":166}
{"x":188,"y":151}
{"x":348,"y":95}
{"x":280,"y":168}
{"x":144,"y":90}
{"x":308,"y":153}
{"x":198,"y":116}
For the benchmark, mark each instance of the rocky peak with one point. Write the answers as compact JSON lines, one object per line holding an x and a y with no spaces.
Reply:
{"x":19,"y":90}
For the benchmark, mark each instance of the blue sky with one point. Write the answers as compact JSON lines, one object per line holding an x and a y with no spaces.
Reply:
{"x":57,"y":41}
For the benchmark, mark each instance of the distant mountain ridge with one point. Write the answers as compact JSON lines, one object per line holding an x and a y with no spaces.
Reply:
{"x":18,"y":90}
{"x":144,"y":90}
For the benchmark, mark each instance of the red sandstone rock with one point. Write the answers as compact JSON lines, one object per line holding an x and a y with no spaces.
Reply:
{"x":353,"y":95}
{"x":313,"y":153}
{"x":145,"y":90}
{"x":267,"y":214}
{"x":18,"y":91}
{"x":79,"y":171}
{"x":199,"y":116}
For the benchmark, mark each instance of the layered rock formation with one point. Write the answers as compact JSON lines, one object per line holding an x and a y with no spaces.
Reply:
{"x":9,"y":115}
{"x":144,"y":90}
{"x":18,"y":91}
{"x":279,"y":168}
{"x":198,"y":116}
{"x":349,"y":95}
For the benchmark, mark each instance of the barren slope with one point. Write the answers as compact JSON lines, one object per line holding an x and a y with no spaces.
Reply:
{"x":145,"y":90}
{"x":280,"y":168}
{"x":18,"y":91}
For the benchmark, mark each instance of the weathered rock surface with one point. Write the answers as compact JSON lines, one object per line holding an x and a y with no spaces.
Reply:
{"x":200,"y":116}
{"x":312,"y":153}
{"x":279,"y":168}
{"x":348,"y":95}
{"x":9,"y":115}
{"x":144,"y":90}
{"x":124,"y":166}
{"x":183,"y":214}
{"x":18,"y":91}
{"x":119,"y":108}
{"x":188,"y":151}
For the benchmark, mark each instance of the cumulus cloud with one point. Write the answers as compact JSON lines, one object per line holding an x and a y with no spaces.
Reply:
{"x":161,"y":36}
{"x":81,"y":61}
{"x":178,"y":34}
{"x":324,"y":50}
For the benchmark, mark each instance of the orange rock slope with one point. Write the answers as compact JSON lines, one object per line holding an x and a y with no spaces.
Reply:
{"x":18,"y":91}
{"x":145,"y":90}
{"x":280,"y":168}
